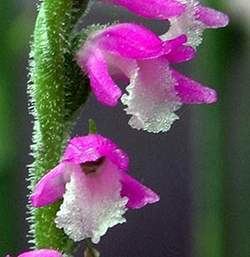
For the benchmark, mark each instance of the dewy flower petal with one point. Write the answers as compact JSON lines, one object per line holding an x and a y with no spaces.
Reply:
{"x":194,"y":21}
{"x":155,"y":92}
{"x":127,"y":40}
{"x":152,"y":9}
{"x":98,"y":73}
{"x":41,"y":253}
{"x":192,"y":92}
{"x":97,"y":188}
{"x":181,"y":54}
{"x":138,"y":195}
{"x":52,"y":186}
{"x":93,"y":147}
{"x":211,"y":18}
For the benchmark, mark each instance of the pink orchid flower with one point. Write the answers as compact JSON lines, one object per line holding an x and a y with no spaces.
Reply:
{"x":155,"y":90}
{"x":187,"y":17}
{"x":40,"y":253}
{"x":96,"y":189}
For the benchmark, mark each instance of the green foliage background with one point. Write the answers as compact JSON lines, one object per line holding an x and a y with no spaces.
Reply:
{"x":15,"y":27}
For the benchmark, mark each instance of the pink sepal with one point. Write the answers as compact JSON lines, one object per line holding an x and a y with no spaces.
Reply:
{"x":171,"y":44}
{"x":102,"y":85}
{"x":192,"y":92}
{"x":129,"y":40}
{"x":212,"y":18}
{"x":91,"y":148}
{"x":52,"y":186}
{"x":181,"y":54}
{"x":138,"y":194}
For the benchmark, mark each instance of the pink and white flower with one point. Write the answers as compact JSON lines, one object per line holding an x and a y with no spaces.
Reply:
{"x":187,"y":17}
{"x":96,"y":189}
{"x":40,"y":253}
{"x":155,"y":89}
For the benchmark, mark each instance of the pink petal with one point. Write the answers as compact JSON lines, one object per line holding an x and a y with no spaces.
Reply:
{"x":138,"y":194}
{"x":212,"y":18}
{"x":181,"y":54}
{"x":41,"y":253}
{"x":130,"y":41}
{"x":152,"y":9}
{"x":192,"y":92}
{"x":52,"y":186}
{"x":93,"y":147}
{"x":102,"y":85}
{"x":172,"y":44}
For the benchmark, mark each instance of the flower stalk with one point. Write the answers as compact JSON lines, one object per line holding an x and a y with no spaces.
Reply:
{"x":55,"y":81}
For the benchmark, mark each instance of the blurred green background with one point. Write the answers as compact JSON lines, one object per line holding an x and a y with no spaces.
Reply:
{"x":217,"y":138}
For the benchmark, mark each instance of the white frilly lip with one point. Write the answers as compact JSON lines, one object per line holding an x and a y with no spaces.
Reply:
{"x":151,"y":98}
{"x":187,"y":24}
{"x":194,"y":21}
{"x":92,"y":203}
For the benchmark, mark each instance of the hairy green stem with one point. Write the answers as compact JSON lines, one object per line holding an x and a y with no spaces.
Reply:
{"x":55,"y":85}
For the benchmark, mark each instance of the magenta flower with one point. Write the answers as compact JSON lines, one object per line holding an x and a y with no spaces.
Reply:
{"x":194,"y":21}
{"x":153,"y":9}
{"x":96,"y":189}
{"x":155,"y":90}
{"x":40,"y":253}
{"x":187,"y":17}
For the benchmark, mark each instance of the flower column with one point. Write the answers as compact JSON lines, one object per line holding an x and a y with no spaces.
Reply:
{"x":52,"y":90}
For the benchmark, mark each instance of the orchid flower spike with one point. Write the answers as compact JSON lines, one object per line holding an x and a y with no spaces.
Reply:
{"x":131,"y":53}
{"x":96,"y":189}
{"x":194,"y":20}
{"x":40,"y":253}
